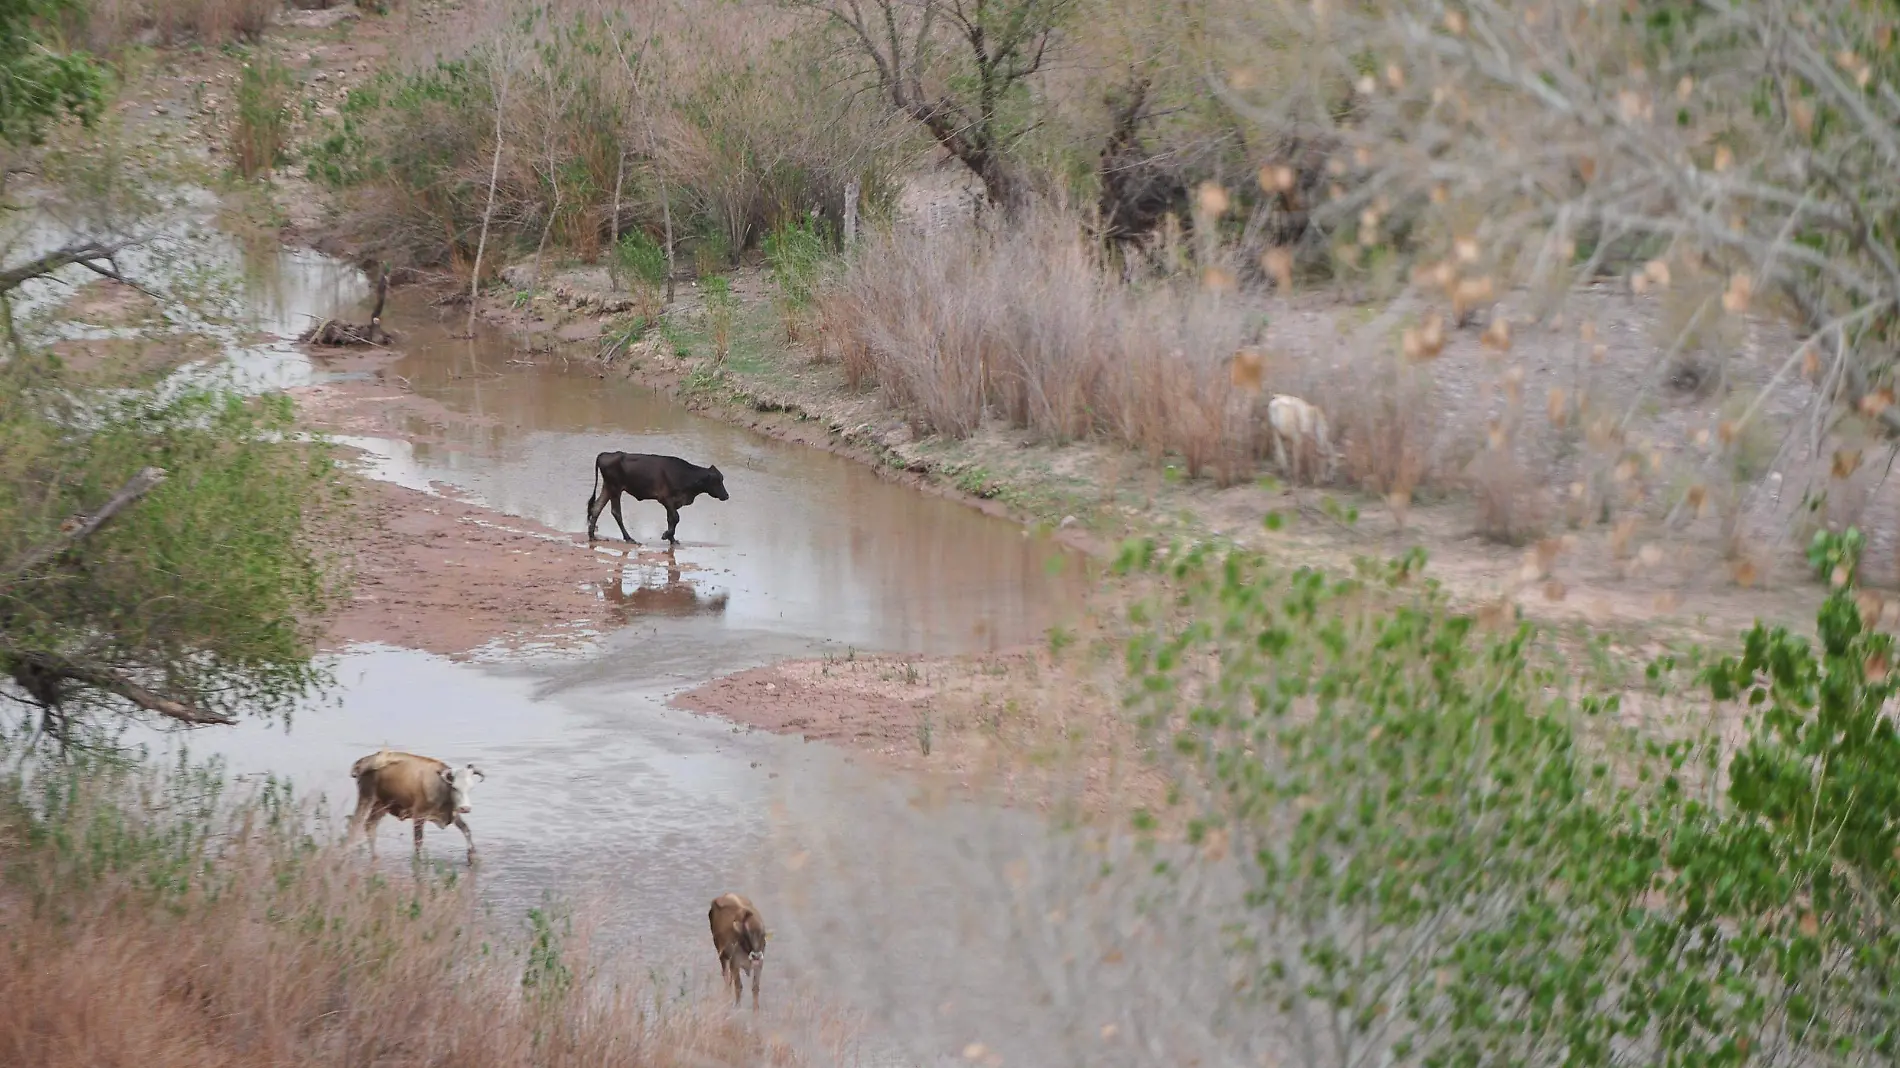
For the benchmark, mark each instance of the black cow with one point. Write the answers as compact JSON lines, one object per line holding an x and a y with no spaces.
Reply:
{"x":645,"y":477}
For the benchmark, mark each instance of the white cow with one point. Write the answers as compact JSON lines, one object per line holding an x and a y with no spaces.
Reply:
{"x":1300,"y":437}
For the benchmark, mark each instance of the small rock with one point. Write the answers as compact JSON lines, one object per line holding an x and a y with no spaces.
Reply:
{"x":1068,"y":521}
{"x":771,"y":687}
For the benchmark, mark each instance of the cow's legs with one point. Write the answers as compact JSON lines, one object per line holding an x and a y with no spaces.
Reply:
{"x":418,"y":821}
{"x":734,"y":978}
{"x":672,"y":524}
{"x":462,"y":825}
{"x":757,"y":967}
{"x":621,"y":523}
{"x":369,"y":822}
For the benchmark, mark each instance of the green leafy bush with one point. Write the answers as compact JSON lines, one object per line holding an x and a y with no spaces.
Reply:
{"x":262,"y":127}
{"x":640,"y":263}
{"x":1835,"y":556}
{"x":1456,"y":854}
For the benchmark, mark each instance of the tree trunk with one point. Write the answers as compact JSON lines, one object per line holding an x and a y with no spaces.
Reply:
{"x":488,"y":212}
{"x":851,"y":213}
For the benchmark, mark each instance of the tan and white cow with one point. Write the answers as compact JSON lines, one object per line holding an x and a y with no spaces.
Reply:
{"x":410,"y":787}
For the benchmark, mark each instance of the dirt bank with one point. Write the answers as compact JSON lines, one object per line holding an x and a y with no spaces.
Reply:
{"x":448,"y":577}
{"x":1021,"y":727}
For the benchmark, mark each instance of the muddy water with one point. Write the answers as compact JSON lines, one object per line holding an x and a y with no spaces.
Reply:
{"x":945,"y":923}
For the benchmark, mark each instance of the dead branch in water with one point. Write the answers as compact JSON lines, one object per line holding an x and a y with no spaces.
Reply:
{"x":337,"y":333}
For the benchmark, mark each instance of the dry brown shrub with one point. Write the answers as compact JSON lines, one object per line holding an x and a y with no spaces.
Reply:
{"x":1385,"y":421}
{"x":110,"y":25}
{"x":1511,"y":505}
{"x":1023,"y":325}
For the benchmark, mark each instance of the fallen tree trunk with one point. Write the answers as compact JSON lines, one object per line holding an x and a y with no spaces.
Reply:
{"x":339,"y":334}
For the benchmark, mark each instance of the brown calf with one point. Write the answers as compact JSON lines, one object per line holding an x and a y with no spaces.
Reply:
{"x":739,"y":935}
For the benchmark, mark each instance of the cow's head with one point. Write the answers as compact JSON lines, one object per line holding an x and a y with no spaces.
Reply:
{"x":753,"y":936}
{"x":459,"y":784}
{"x":715,"y":484}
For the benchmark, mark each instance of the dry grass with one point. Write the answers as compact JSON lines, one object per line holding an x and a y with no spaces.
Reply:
{"x":1023,"y":326}
{"x":1388,"y":418}
{"x":1511,"y":507}
{"x":106,"y":26}
{"x":149,"y":938}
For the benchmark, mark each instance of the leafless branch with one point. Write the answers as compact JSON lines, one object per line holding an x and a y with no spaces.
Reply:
{"x":138,"y":486}
{"x":112,"y":681}
{"x":95,"y":256}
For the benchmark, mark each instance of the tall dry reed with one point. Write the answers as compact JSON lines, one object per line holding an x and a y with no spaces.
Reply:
{"x":1023,"y":326}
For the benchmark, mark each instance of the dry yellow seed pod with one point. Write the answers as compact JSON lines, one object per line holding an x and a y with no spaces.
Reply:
{"x":1247,"y":369}
{"x":1278,"y":263}
{"x":1497,"y":336}
{"x":1211,"y":199}
{"x":1557,"y":405}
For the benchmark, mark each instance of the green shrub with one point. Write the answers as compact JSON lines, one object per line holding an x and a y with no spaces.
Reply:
{"x":720,"y":308}
{"x":1835,"y":557}
{"x":796,"y":251}
{"x":639,"y":263}
{"x":262,"y":125}
{"x":1454,"y":855}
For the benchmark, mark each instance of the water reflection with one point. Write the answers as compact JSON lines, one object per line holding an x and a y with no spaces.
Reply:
{"x":649,"y":587}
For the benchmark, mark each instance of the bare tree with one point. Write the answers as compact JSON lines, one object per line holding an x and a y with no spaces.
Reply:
{"x":501,"y":63}
{"x":958,"y":68}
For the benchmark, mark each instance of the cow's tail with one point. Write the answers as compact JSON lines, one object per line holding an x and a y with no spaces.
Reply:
{"x":594,"y":493}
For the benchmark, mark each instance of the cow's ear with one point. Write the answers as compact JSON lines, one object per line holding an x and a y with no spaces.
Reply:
{"x":447,"y":774}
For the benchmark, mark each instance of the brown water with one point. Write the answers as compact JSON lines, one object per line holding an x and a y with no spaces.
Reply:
{"x":945,"y":923}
